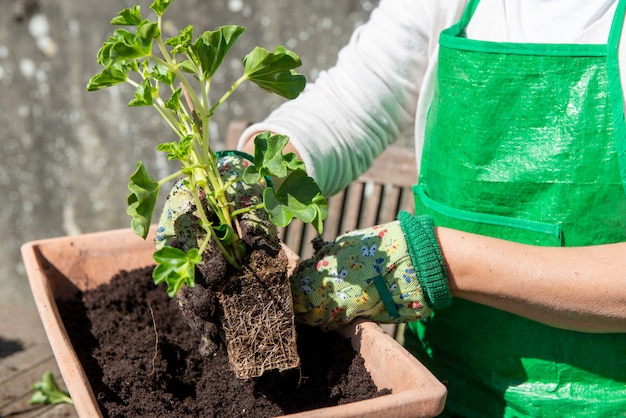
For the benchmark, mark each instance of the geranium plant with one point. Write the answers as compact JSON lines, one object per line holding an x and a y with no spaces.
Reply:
{"x":174,"y":76}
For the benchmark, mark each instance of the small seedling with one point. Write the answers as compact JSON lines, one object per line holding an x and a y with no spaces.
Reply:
{"x":47,"y":392}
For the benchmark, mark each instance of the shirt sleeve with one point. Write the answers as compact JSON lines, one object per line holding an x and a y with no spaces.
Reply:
{"x":353,"y":111}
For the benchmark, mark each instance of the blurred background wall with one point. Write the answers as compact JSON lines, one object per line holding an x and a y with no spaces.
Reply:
{"x":66,"y":154}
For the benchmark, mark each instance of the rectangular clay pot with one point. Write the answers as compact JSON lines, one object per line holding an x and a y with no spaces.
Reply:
{"x":57,"y":267}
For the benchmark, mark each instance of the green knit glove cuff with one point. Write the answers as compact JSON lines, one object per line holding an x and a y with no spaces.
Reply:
{"x":427,"y":258}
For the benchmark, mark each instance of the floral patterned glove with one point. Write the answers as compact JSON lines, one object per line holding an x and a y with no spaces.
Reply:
{"x":388,"y":273}
{"x":178,"y":225}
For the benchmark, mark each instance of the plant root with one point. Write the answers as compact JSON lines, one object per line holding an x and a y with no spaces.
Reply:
{"x":257,"y":318}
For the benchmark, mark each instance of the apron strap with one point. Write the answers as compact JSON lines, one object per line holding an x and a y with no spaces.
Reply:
{"x":458,"y":29}
{"x":467,"y":15}
{"x":615,"y":87}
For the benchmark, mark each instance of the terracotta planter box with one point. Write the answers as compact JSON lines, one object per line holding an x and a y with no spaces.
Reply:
{"x":57,"y":267}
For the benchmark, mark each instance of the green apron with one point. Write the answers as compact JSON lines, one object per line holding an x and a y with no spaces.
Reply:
{"x":524,"y":142}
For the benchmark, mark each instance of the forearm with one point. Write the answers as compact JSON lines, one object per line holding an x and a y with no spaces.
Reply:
{"x":580,"y":288}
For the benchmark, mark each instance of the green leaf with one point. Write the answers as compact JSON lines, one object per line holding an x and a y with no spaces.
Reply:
{"x":269,"y":159}
{"x":298,"y":196}
{"x":125,"y":45}
{"x":144,"y":67}
{"x":162,"y":74}
{"x":110,"y":76}
{"x":273,"y":71}
{"x":128,"y":17}
{"x":146,"y":32}
{"x":181,"y":43}
{"x":159,"y":6}
{"x":212,"y":46}
{"x":143,"y":94}
{"x":173,"y":103}
{"x":177,"y":150}
{"x":142,"y":199}
{"x":188,"y":67}
{"x":132,"y":65}
{"x":48,"y":392}
{"x":176,"y":268}
{"x":225,"y":233}
{"x":104,"y":53}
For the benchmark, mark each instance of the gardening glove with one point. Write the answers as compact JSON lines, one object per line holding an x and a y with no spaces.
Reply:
{"x":388,"y":273}
{"x":178,"y":225}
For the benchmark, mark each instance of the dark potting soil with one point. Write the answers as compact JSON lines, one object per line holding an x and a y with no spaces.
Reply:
{"x":142,"y":360}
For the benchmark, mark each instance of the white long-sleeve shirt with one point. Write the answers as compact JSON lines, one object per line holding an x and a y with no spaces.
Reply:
{"x":384,"y":78}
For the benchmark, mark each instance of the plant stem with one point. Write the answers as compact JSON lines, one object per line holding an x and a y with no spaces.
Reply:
{"x":170,"y":177}
{"x":172,"y":66}
{"x":247,"y":209}
{"x":230,"y":259}
{"x":171,"y":120}
{"x":212,"y":236}
{"x":205,"y":117}
{"x":228,"y":93}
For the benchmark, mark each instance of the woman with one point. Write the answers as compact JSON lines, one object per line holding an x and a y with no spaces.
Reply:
{"x":519,"y":127}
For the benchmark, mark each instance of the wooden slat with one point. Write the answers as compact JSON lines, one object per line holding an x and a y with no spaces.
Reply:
{"x":59,"y":411}
{"x":407,"y":201}
{"x":371,"y":202}
{"x":389,"y":210}
{"x":332,"y":225}
{"x":22,"y":361}
{"x":350,"y":216}
{"x":306,"y":249}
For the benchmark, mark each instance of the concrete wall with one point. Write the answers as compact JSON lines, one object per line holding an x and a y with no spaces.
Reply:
{"x":66,"y":154}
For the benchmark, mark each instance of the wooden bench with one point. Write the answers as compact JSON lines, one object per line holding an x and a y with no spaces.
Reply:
{"x":375,"y":197}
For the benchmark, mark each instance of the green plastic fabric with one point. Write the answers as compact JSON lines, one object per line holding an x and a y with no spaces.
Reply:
{"x":524,"y":142}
